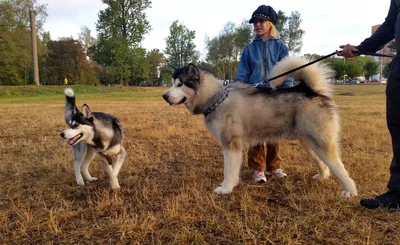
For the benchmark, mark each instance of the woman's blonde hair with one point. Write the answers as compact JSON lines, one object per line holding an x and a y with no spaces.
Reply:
{"x":273,"y":31}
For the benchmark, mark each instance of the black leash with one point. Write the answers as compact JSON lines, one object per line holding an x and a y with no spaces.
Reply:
{"x":319,"y":59}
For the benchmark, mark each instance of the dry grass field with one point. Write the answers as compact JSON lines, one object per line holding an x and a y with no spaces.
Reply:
{"x":172,"y":167}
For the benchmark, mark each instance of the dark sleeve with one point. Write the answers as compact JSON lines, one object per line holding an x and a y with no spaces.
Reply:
{"x":384,"y":34}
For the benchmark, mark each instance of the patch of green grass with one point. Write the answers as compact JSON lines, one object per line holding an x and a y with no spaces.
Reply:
{"x":29,"y":91}
{"x":37,"y":94}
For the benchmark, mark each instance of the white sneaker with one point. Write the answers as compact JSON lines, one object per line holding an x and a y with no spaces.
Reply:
{"x":259,"y":176}
{"x":277,"y":172}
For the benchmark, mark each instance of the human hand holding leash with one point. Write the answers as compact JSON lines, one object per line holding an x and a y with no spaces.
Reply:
{"x":348,"y":51}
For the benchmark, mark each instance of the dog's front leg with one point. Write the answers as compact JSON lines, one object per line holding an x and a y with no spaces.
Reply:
{"x":78,"y":175}
{"x":232,"y":163}
{"x":79,"y":152}
{"x":90,"y":154}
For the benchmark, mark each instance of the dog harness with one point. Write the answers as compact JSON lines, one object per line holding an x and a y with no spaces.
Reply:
{"x":108,"y":157}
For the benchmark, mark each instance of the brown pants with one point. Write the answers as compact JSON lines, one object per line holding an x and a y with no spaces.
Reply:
{"x":262,"y":159}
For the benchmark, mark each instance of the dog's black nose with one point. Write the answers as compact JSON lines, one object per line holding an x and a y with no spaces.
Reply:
{"x":62,"y":134}
{"x":165,"y":96}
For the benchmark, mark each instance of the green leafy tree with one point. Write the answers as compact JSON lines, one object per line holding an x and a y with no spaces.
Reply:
{"x":243,"y":35}
{"x":370,"y":68}
{"x":290,"y":30}
{"x":140,"y":67}
{"x":224,"y":50}
{"x":121,"y":28}
{"x":281,"y":25}
{"x":166,"y":75}
{"x":156,"y":61}
{"x":208,"y":67}
{"x":15,"y":41}
{"x":66,"y":59}
{"x":339,"y":66}
{"x":180,"y":47}
{"x":314,"y":57}
{"x":354,"y":67}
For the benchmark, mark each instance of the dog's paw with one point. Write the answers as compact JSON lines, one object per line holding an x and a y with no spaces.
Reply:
{"x":221,"y":190}
{"x":114,"y":184}
{"x":92,"y":179}
{"x":348,"y":194}
{"x":80,"y":182}
{"x":320,"y":177}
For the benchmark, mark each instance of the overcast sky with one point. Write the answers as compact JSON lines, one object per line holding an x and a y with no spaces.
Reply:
{"x":327,"y":24}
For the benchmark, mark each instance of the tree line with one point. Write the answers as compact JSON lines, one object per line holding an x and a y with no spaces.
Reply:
{"x":115,"y":55}
{"x":349,"y":68}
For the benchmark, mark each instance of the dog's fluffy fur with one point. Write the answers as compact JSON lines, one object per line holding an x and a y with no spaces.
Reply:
{"x":251,"y":115}
{"x":92,"y":133}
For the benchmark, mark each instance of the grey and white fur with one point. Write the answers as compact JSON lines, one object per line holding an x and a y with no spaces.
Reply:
{"x":90,"y":134}
{"x":239,"y":113}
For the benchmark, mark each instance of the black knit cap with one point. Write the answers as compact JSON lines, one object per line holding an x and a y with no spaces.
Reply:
{"x":265,"y":13}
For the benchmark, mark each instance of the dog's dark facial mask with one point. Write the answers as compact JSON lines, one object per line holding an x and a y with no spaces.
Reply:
{"x":189,"y":76}
{"x":185,"y":84}
{"x":81,"y":127}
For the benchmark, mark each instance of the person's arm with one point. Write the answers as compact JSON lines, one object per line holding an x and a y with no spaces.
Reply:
{"x":383,"y":35}
{"x":243,"y":72}
{"x":284,"y":52}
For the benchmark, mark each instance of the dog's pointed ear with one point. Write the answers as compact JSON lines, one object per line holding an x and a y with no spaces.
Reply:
{"x":86,"y":111}
{"x":171,"y":68}
{"x":193,"y":71}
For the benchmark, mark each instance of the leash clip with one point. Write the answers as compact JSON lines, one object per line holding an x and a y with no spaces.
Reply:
{"x":257,"y":84}
{"x":261,"y":83}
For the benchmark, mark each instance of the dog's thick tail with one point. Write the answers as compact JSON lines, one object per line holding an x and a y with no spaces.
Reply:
{"x":314,"y":76}
{"x":70,"y":107}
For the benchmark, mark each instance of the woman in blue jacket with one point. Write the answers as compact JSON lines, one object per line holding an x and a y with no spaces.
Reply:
{"x":257,"y":59}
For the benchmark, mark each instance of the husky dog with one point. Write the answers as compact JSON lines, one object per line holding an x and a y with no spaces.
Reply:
{"x":92,"y":133}
{"x":239,"y":113}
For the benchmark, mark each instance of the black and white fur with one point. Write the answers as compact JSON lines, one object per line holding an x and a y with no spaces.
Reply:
{"x":92,"y":133}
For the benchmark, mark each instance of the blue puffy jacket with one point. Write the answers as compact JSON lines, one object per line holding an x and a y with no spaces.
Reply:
{"x":258,"y":57}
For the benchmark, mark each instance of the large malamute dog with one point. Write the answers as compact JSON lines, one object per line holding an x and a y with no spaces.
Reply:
{"x":92,"y":133}
{"x":240,"y":113}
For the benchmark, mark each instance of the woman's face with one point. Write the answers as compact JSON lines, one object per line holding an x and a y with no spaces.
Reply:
{"x":261,"y":27}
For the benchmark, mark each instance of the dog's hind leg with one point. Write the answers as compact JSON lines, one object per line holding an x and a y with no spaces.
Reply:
{"x":106,"y":165}
{"x":323,"y":170}
{"x":90,"y":154}
{"x":79,"y":152}
{"x":329,"y":153}
{"x":232,"y":163}
{"x":119,"y":161}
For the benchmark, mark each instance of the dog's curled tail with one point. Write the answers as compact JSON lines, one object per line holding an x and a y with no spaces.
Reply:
{"x":314,"y":76}
{"x":69,"y":92}
{"x":70,"y":107}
